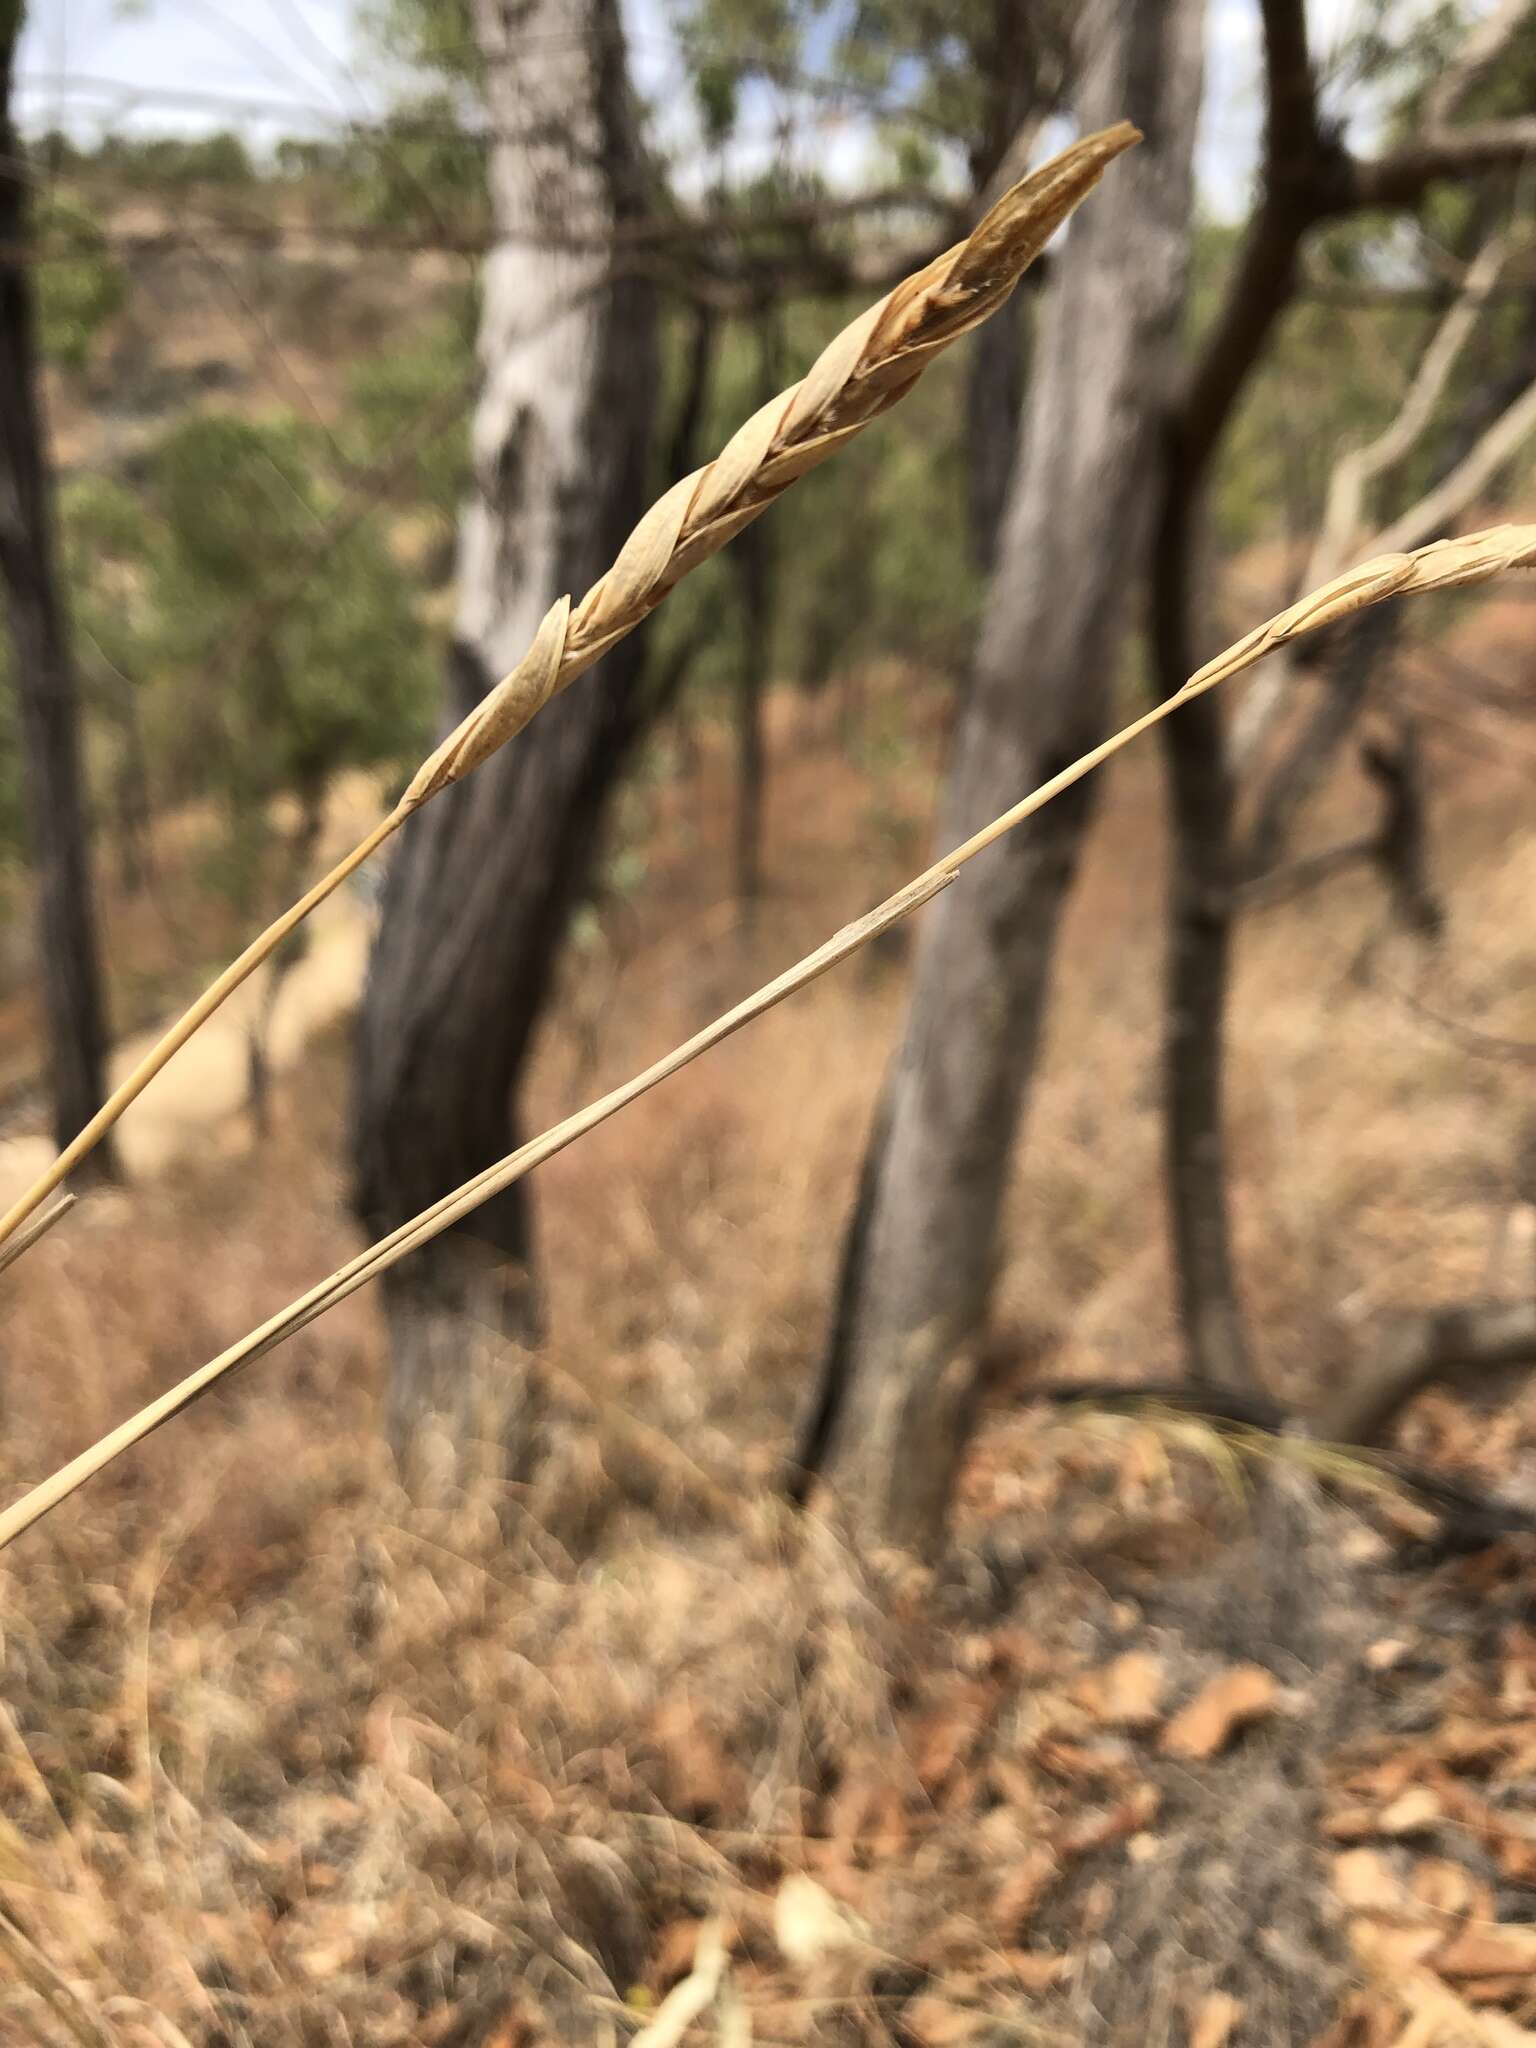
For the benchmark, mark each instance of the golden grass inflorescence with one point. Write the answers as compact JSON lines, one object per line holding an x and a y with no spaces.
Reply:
{"x":1443,"y":565}
{"x":862,"y":372}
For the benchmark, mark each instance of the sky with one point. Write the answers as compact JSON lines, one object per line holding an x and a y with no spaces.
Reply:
{"x":270,"y":67}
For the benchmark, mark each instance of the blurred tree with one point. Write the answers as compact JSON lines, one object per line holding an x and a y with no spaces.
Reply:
{"x":482,"y":888}
{"x":106,"y":560}
{"x":412,"y":399}
{"x":1310,"y":179}
{"x":326,"y":673}
{"x":899,"y":1377}
{"x":945,"y":84}
{"x":173,"y":163}
{"x":42,"y":669}
{"x":80,"y":283}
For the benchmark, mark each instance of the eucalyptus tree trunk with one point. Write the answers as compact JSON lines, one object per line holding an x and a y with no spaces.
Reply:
{"x":43,"y":674}
{"x":480,"y":893}
{"x":898,"y":1387}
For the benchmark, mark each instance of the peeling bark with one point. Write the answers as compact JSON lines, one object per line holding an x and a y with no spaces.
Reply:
{"x":482,"y":887}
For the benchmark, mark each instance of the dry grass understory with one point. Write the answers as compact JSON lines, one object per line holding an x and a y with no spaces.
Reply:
{"x":288,"y":1757}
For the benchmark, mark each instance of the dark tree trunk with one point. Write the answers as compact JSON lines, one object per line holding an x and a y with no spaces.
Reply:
{"x":1202,"y":893}
{"x":994,"y":396}
{"x":1202,"y":896}
{"x":897,"y":1397}
{"x":753,"y":553}
{"x":481,"y":890}
{"x":1347,"y":674}
{"x":1019,"y":58}
{"x":44,"y":678}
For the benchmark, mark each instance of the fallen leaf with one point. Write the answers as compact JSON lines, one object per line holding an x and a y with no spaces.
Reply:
{"x":1099,"y":1830}
{"x":1450,"y":1890}
{"x":946,"y":1740}
{"x":1230,"y":1701}
{"x":808,"y":1923}
{"x":699,"y":1781}
{"x":1392,"y":1947}
{"x":1032,"y":1970}
{"x":1212,"y":2021}
{"x":937,"y":2022}
{"x":1021,"y":1891}
{"x":1127,"y":1692}
{"x":1489,"y":1952}
{"x":1417,"y":1809}
{"x":1365,"y":1882}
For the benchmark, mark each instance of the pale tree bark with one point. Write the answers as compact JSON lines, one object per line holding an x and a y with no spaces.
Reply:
{"x":898,"y":1383}
{"x":480,"y":892}
{"x":43,"y":676}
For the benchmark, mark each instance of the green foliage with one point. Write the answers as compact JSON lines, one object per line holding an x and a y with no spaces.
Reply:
{"x":417,"y":395}
{"x":173,"y":163}
{"x":256,"y":632}
{"x":105,"y":558}
{"x":427,"y":35}
{"x":934,"y":75}
{"x":80,"y":283}
{"x":421,"y":168}
{"x":297,"y":615}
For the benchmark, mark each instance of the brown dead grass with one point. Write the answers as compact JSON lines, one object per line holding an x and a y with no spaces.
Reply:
{"x":290,"y":1757}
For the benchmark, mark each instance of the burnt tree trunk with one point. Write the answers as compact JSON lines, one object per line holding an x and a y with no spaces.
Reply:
{"x":481,"y":890}
{"x":1203,"y":877}
{"x":898,"y":1385}
{"x":43,"y":677}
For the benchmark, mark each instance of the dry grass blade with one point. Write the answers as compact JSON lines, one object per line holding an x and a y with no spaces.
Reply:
{"x":859,"y":375}
{"x":38,"y":1227}
{"x":1445,"y":565}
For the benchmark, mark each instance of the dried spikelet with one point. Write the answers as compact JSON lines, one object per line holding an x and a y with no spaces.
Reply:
{"x":1444,"y":565}
{"x":857,"y":376}
{"x":864,"y":370}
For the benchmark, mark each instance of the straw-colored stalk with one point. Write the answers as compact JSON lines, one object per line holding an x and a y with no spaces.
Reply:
{"x":1445,"y":565}
{"x":863,"y":371}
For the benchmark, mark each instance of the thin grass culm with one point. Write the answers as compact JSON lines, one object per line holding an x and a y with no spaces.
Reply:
{"x":1444,"y":565}
{"x":860,"y":374}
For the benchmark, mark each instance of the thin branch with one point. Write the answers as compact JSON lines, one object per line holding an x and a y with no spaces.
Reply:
{"x":1401,"y":178}
{"x":1495,"y":446}
{"x":39,"y":1227}
{"x":1481,"y":46}
{"x":1343,"y":515}
{"x":1343,"y":519}
{"x":1448,"y":1343}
